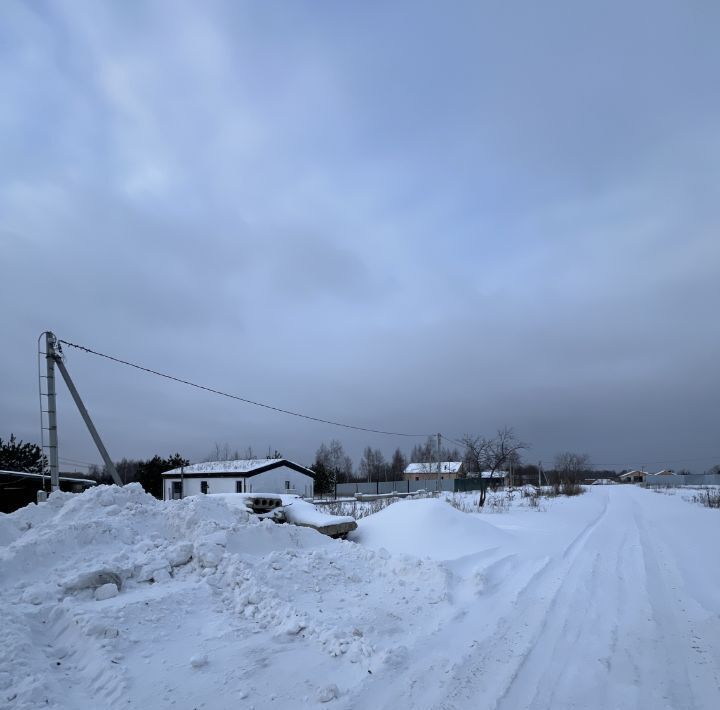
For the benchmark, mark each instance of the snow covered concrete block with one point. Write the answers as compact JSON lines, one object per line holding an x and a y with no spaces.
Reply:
{"x":106,"y":591}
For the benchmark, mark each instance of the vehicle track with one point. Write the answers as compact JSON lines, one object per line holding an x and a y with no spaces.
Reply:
{"x":604,"y":622}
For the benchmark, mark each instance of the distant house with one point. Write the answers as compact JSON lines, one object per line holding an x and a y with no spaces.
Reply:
{"x":494,"y":474}
{"x":433,"y":471}
{"x":632,"y":477}
{"x":496,"y":478}
{"x":240,"y":476}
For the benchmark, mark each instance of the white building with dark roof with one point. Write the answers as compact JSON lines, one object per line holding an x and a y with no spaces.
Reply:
{"x":239,"y":476}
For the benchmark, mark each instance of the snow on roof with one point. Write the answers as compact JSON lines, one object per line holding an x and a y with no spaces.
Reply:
{"x":633,"y":473}
{"x":236,"y":466}
{"x":445,"y":467}
{"x":493,"y":474}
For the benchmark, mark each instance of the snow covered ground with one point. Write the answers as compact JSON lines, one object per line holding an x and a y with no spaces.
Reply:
{"x":607,"y":600}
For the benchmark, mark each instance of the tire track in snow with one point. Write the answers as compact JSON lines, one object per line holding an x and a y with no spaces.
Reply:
{"x":691,"y":677}
{"x":472,"y":680}
{"x":82,"y":669}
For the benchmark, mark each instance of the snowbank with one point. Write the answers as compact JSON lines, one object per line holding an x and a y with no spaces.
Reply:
{"x":113,"y":599}
{"x":428,"y":528}
{"x":119,"y":595}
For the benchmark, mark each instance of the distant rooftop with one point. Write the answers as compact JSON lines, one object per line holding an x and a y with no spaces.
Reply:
{"x":445,"y":467}
{"x":239,"y":467}
{"x":236,"y":466}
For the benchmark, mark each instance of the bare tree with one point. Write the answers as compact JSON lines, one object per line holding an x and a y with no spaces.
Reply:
{"x":428,"y":454}
{"x":223,"y":453}
{"x":492,"y":454}
{"x":570,"y":469}
{"x":334,"y":460}
{"x":372,"y":465}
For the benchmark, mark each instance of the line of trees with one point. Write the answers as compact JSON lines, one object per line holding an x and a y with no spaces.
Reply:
{"x":148,"y":473}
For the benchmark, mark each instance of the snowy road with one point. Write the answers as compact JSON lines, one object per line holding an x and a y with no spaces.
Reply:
{"x":610,"y":600}
{"x":621,"y":613}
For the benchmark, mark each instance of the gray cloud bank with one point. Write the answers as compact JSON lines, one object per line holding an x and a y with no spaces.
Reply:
{"x":388,"y":214}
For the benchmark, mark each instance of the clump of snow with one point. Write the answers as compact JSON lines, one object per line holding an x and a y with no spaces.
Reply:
{"x":300,"y":512}
{"x":199,"y":661}
{"x":106,"y":591}
{"x":328,"y":693}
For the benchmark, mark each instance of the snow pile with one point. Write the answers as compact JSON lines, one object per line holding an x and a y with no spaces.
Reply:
{"x":118,"y":594}
{"x":428,"y":528}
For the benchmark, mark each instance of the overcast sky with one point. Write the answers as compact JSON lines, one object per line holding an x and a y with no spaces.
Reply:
{"x":414,"y":216}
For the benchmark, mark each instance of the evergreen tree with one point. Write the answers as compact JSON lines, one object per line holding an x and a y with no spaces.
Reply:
{"x":397,"y":465}
{"x":324,"y":478}
{"x":150,"y":472}
{"x":18,"y":456}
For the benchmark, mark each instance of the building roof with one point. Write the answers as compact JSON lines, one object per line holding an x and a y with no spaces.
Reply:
{"x":493,"y":474}
{"x":239,"y":468}
{"x":632,"y":474}
{"x":445,"y":467}
{"x":62,"y":477}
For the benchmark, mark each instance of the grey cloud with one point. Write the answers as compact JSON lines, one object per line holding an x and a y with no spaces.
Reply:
{"x":389,"y":215}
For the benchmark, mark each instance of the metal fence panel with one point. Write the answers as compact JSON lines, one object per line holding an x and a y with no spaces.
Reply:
{"x":380,"y":487}
{"x":692,"y":479}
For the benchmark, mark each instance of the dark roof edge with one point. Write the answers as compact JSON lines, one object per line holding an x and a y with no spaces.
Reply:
{"x":242,"y":474}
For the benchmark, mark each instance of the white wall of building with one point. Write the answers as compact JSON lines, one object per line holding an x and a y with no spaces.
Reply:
{"x":273,"y":481}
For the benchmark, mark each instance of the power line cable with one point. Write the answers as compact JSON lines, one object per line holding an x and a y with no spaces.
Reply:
{"x":319,"y":419}
{"x":237,"y":397}
{"x":452,"y":441}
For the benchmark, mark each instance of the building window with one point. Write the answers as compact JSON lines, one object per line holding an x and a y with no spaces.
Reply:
{"x":238,"y":487}
{"x":287,"y":485}
{"x":203,"y":487}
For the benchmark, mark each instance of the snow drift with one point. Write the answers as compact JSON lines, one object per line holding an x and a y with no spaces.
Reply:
{"x":428,"y":528}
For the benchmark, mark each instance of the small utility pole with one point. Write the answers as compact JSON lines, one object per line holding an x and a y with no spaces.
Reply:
{"x":52,"y":411}
{"x":437,"y":485}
